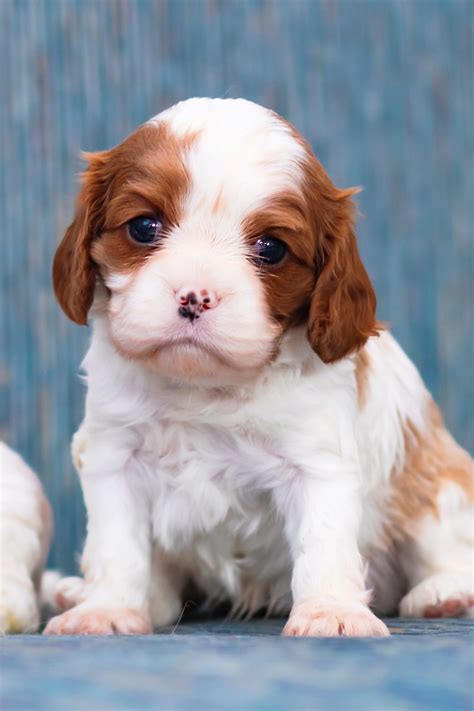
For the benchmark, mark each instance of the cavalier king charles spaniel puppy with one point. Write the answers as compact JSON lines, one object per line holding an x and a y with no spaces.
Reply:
{"x":25,"y":532}
{"x":249,"y":425}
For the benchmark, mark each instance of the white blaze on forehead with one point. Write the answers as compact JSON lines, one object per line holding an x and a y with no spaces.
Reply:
{"x":242,"y":153}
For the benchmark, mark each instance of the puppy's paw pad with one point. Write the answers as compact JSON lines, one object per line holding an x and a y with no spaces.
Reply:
{"x":439,"y":596}
{"x":310,"y":621}
{"x":85,"y":620}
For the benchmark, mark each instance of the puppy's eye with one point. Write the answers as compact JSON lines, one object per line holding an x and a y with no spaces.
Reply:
{"x":145,"y":230}
{"x":269,"y":250}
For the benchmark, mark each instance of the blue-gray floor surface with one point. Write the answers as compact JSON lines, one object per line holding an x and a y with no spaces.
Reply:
{"x":425,"y":664}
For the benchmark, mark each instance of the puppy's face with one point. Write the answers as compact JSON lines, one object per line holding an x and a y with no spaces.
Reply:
{"x":214,"y":230}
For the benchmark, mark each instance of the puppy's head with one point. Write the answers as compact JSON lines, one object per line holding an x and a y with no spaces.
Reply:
{"x":215,"y":229}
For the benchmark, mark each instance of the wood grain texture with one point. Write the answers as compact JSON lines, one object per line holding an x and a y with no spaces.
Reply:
{"x":382,"y":90}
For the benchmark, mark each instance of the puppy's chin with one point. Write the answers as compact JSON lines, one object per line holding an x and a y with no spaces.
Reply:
{"x":198,"y":363}
{"x":187,"y":361}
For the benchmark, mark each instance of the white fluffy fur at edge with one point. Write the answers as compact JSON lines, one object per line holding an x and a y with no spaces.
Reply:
{"x":25,"y":530}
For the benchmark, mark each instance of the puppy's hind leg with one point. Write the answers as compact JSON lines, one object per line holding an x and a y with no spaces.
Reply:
{"x":439,"y":560}
{"x":62,"y":593}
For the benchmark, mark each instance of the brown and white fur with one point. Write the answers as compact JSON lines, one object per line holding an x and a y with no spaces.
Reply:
{"x":25,"y":533}
{"x":281,"y":450}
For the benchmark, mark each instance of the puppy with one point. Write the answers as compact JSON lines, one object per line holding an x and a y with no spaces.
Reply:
{"x":248,"y":422}
{"x":25,"y":533}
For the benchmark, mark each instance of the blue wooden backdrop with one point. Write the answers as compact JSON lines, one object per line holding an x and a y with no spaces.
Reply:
{"x":381,"y":88}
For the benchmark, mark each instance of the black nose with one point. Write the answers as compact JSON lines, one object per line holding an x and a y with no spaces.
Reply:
{"x":187,"y":312}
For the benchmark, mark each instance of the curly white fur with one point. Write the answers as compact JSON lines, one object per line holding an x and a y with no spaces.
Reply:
{"x":25,"y":531}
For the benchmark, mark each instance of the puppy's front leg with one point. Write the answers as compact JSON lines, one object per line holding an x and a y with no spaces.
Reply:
{"x":116,"y":560}
{"x":322,"y":519}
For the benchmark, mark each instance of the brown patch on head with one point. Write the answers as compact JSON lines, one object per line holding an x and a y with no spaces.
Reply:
{"x":144,"y":175}
{"x":362,"y":371}
{"x":324,"y":280}
{"x":432,"y":459}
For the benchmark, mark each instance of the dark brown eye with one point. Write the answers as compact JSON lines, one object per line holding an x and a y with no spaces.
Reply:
{"x":145,"y":230}
{"x":269,"y":250}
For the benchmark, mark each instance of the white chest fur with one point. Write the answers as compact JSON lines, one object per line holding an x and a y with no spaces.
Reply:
{"x":215,"y":467}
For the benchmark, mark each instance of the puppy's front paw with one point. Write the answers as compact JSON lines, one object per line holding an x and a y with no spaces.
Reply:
{"x":87,"y":620}
{"x":310,"y":620}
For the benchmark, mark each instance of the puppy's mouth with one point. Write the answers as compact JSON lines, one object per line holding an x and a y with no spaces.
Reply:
{"x":192,"y":355}
{"x":191,"y":347}
{"x":188,"y":348}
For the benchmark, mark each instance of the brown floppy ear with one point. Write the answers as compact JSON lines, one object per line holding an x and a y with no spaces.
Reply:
{"x":343,"y":304}
{"x":74,"y":273}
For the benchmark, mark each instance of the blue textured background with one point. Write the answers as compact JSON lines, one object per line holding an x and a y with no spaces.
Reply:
{"x":425,"y":666}
{"x":383,"y":91}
